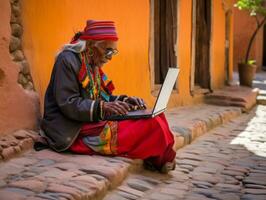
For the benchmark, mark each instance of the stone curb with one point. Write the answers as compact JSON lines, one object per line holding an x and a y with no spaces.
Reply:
{"x":50,"y":175}
{"x":22,"y":140}
{"x":239,"y":96}
{"x":184,"y":135}
{"x":15,"y":143}
{"x":262,"y":92}
{"x":261,"y":98}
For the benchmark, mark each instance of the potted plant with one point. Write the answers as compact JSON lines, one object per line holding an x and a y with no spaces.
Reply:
{"x":257,"y":10}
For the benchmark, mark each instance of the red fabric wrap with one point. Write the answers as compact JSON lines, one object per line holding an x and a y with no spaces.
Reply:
{"x":144,"y":139}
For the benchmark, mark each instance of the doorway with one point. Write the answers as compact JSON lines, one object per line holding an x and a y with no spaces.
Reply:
{"x":264,"y":48}
{"x":228,"y":16}
{"x":165,"y":38}
{"x":201,"y":37}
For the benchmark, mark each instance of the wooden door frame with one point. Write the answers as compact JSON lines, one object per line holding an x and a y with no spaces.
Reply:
{"x":264,"y":47}
{"x":155,"y":87}
{"x":151,"y":47}
{"x":193,"y":47}
{"x":228,"y":21}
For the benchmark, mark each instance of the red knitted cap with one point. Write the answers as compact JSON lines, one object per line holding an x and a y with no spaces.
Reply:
{"x":99,"y":30}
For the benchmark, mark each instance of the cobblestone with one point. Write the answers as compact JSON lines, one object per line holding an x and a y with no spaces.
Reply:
{"x":15,"y":143}
{"x":231,"y":167}
{"x":255,"y":180}
{"x":132,"y":191}
{"x":161,"y":196}
{"x":127,"y":195}
{"x":33,"y":185}
{"x":139,"y":184}
{"x":253,"y":197}
{"x":199,"y":174}
{"x":255,"y":191}
{"x":206,"y":170}
{"x":49,"y":175}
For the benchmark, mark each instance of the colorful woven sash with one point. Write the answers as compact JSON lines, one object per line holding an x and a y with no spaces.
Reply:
{"x":95,"y":82}
{"x":97,"y":85}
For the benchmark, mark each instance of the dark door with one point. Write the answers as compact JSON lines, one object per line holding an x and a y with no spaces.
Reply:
{"x":202,"y":53}
{"x":227,"y":45}
{"x":264,"y":48}
{"x":165,"y":33}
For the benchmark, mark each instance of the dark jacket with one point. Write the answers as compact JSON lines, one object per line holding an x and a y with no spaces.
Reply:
{"x":66,"y":104}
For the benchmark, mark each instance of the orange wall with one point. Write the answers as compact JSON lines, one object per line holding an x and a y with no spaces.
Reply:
{"x":50,"y":24}
{"x":217,"y":50}
{"x":19,"y":109}
{"x":184,"y":51}
{"x":231,"y":56}
{"x":218,"y":45}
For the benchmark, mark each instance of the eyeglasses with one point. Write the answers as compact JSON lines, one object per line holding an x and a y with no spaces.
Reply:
{"x":109,"y":52}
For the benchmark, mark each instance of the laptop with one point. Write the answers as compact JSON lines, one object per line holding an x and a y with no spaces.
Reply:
{"x":161,"y":101}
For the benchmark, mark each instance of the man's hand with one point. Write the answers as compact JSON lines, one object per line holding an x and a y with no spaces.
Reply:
{"x":136,"y":102}
{"x":115,"y":107}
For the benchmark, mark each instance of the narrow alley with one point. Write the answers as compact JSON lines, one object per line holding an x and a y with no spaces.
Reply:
{"x":69,"y":68}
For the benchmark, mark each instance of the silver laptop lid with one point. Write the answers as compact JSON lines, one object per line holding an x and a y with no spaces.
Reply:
{"x":166,"y":90}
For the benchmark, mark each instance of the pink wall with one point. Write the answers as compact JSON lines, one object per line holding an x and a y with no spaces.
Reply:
{"x":18,"y":108}
{"x":244,"y":26}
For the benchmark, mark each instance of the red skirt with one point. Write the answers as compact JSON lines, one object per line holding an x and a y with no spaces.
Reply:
{"x":148,"y":139}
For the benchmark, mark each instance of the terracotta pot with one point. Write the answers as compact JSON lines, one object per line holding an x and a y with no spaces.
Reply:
{"x":246,"y":74}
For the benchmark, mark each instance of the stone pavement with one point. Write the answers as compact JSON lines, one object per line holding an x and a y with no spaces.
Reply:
{"x":227,"y":163}
{"x":50,"y":175}
{"x":260,"y":82}
{"x":236,"y":95}
{"x":190,"y":122}
{"x":16,"y":143}
{"x":261,"y":98}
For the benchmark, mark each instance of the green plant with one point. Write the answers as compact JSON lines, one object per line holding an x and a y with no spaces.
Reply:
{"x":257,"y":9}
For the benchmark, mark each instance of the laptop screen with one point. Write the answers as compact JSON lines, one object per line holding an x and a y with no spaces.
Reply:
{"x":166,"y":89}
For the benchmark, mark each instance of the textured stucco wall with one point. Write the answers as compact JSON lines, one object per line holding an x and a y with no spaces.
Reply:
{"x":50,"y":24}
{"x":244,"y":26}
{"x":18,"y":107}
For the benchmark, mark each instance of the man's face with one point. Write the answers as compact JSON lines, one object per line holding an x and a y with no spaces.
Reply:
{"x":104,"y":51}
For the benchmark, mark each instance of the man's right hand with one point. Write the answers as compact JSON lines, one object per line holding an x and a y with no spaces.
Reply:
{"x":115,"y":107}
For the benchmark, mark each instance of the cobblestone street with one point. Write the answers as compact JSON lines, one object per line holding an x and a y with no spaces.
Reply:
{"x":66,"y":127}
{"x":229,"y":162}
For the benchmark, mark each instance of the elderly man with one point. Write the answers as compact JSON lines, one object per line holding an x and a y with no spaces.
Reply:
{"x":79,"y":97}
